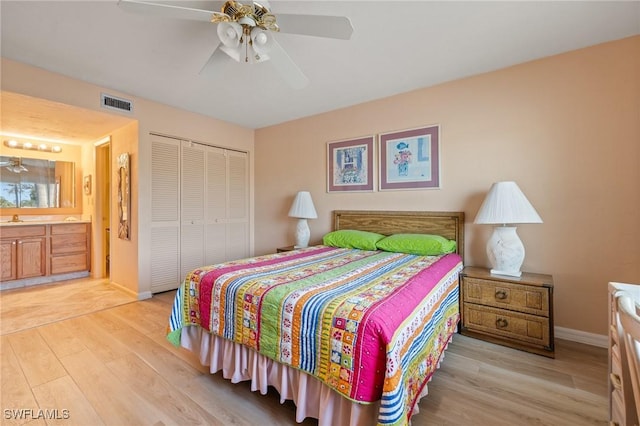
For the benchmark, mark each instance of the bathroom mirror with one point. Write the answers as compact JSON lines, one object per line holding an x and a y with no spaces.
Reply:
{"x":29,"y":183}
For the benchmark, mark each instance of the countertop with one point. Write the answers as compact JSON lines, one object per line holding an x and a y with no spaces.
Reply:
{"x":41,"y":222}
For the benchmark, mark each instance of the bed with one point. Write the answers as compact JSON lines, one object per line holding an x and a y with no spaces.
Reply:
{"x":351,"y":336}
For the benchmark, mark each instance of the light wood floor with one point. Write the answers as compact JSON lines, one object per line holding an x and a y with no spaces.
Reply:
{"x":29,"y":307}
{"x":115,"y":367}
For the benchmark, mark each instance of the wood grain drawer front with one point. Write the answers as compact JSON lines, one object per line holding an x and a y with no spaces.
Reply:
{"x":524,"y":298}
{"x":8,"y":253}
{"x":513,"y":325}
{"x":69,"y":263}
{"x":19,"y":231}
{"x":68,"y":243}
{"x":74,"y":228}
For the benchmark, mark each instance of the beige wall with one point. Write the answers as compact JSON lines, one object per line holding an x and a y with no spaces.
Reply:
{"x":123,"y":251}
{"x":131,"y":265}
{"x":565,"y":128}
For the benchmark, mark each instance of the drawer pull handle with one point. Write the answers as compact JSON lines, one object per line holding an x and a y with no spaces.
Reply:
{"x":501,"y":323}
{"x":615,"y":380}
{"x":501,"y":294}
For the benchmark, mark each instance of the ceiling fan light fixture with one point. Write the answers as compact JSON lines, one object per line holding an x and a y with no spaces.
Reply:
{"x":242,"y":43}
{"x":247,"y":21}
{"x":234,"y":53}
{"x":230,"y":33}
{"x":261,"y":41}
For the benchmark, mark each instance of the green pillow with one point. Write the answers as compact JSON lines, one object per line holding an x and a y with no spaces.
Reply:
{"x":420,"y":244}
{"x":350,"y":238}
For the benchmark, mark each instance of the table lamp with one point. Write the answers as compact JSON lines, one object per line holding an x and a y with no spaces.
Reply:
{"x":303,"y":209}
{"x":505,"y":204}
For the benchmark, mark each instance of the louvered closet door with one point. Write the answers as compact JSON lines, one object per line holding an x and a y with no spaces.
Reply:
{"x":165,"y":214}
{"x":237,"y":242}
{"x":192,"y":223}
{"x":216,"y":212}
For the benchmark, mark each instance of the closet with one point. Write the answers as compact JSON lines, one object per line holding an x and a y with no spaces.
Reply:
{"x":200,"y":208}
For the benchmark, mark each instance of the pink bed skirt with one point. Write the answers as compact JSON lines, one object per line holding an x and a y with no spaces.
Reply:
{"x":311,"y":397}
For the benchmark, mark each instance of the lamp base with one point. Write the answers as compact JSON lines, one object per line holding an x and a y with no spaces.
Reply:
{"x":302,"y":234}
{"x":505,"y":251}
{"x":507,"y":273}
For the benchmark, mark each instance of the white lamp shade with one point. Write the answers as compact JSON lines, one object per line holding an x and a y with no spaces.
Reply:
{"x":302,"y":206}
{"x":505,"y":203}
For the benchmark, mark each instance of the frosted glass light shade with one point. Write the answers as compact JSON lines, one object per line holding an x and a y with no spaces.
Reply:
{"x":505,"y":203}
{"x":303,"y":209}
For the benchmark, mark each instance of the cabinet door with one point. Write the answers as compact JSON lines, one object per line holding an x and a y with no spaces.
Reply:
{"x":8,"y":259}
{"x":31,"y":257}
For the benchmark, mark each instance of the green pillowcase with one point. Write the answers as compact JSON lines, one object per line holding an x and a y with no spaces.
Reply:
{"x":420,"y":244}
{"x":350,"y":238}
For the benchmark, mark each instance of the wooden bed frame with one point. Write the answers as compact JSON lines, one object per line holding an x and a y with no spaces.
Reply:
{"x":448,"y":224}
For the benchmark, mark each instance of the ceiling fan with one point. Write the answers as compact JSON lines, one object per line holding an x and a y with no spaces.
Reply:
{"x":246,"y":31}
{"x":14,"y":164}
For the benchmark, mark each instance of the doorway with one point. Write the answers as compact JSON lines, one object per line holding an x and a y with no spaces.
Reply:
{"x":103,"y":208}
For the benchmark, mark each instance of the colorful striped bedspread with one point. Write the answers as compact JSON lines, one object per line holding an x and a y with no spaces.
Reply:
{"x":372,"y":325}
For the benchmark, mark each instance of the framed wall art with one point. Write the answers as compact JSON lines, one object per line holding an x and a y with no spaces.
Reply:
{"x":350,"y":165}
{"x":124,"y":197}
{"x":86,"y":185}
{"x":410,"y":159}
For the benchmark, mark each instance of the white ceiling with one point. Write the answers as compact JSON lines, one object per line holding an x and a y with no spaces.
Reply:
{"x":396,"y":47}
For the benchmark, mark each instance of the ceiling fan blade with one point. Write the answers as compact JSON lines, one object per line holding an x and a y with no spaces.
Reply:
{"x":286,"y":67}
{"x":316,"y":25}
{"x":169,"y":11}
{"x":216,"y":58}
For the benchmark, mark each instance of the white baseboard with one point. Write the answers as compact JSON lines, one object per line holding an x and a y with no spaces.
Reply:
{"x":599,"y":340}
{"x":145,"y":295}
{"x":140,"y":296}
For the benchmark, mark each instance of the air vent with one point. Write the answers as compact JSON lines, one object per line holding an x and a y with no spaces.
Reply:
{"x":112,"y":102}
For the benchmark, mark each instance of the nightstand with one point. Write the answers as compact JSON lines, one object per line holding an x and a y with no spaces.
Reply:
{"x":510,"y":311}
{"x":283,"y":249}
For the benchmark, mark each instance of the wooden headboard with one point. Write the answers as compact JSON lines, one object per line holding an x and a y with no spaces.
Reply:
{"x":448,"y":224}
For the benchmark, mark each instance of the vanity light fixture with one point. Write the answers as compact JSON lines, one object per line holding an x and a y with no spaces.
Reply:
{"x":12,"y":143}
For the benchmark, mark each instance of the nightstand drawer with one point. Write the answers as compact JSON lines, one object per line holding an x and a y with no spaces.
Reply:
{"x":513,"y":325}
{"x":523,"y":298}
